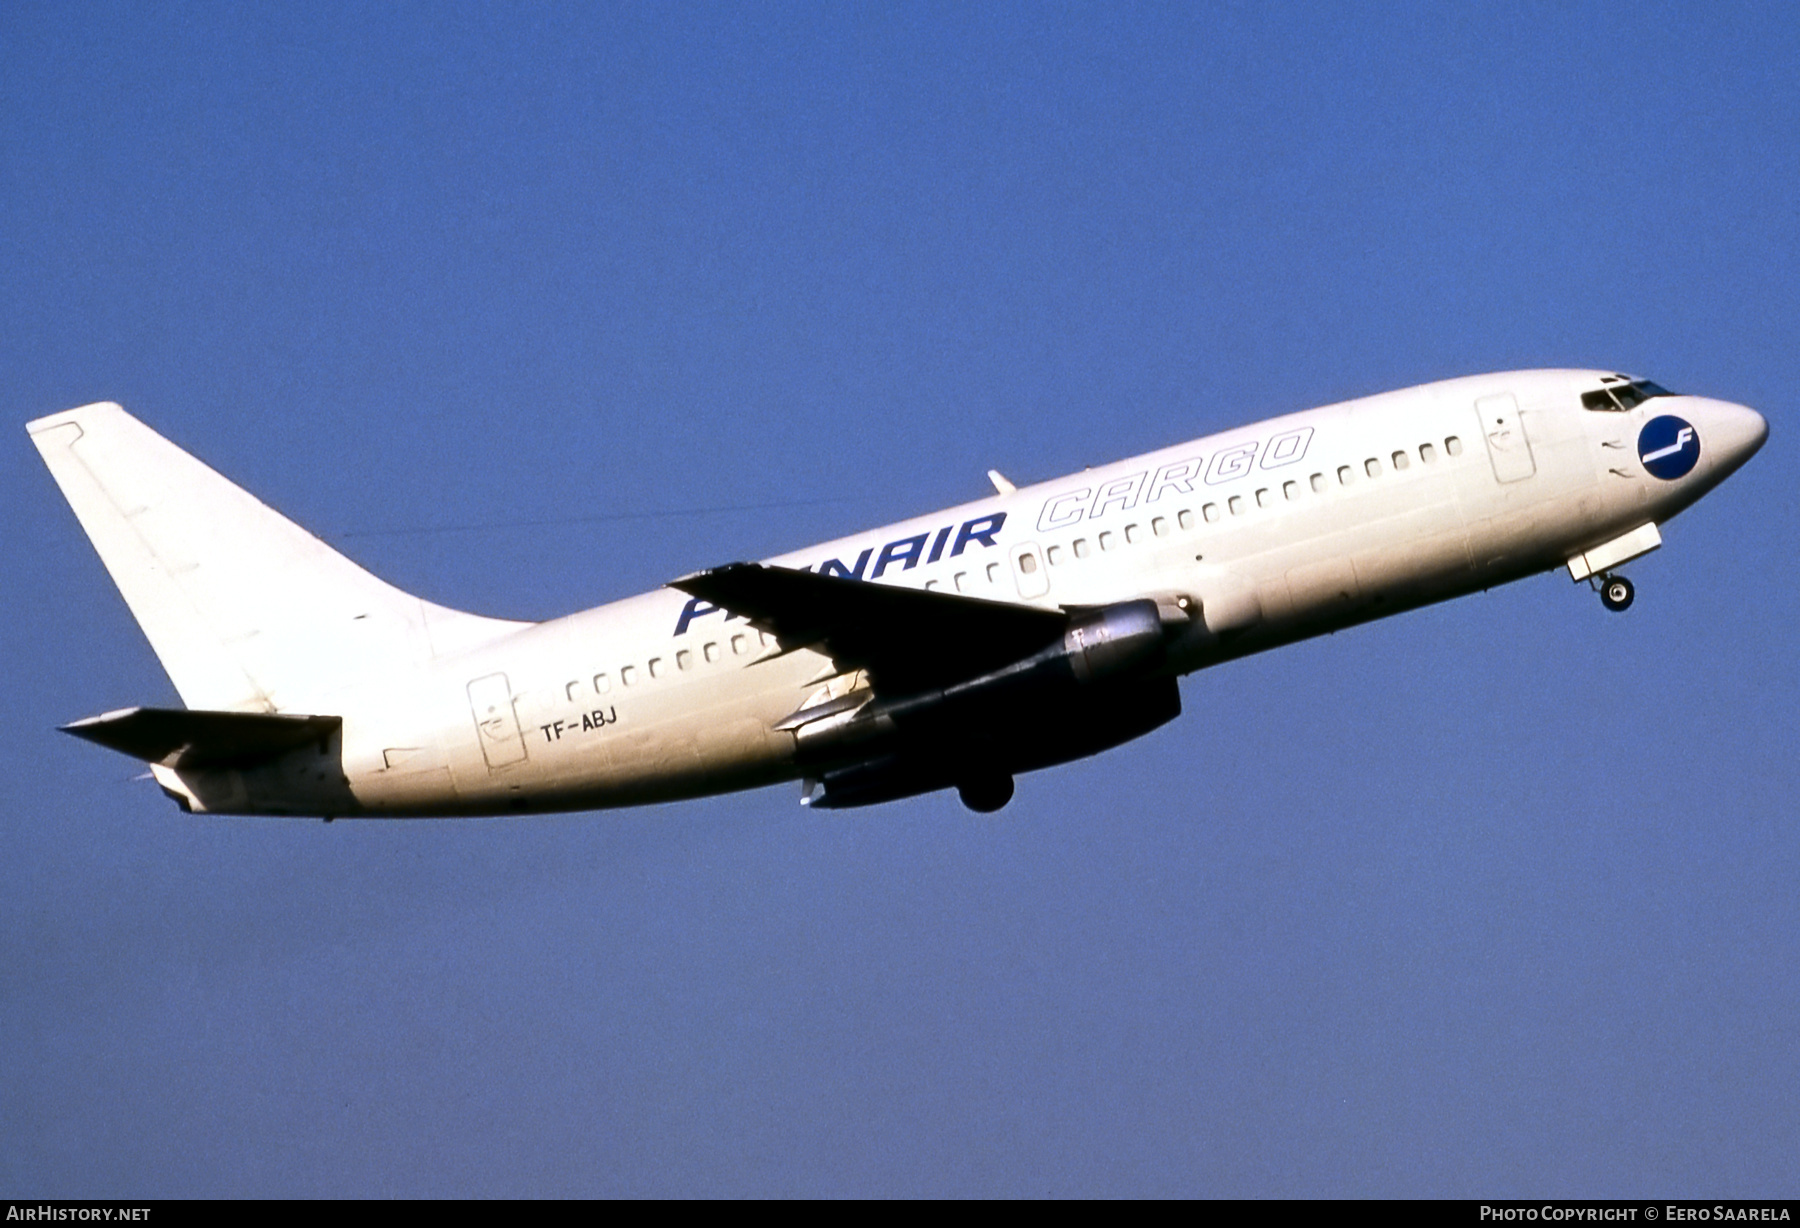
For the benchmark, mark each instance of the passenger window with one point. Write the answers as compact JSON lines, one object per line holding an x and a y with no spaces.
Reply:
{"x":1401,"y":460}
{"x":1028,"y":563}
{"x":739,"y":644}
{"x":931,"y":586}
{"x":1372,"y":467}
{"x":1132,"y":533}
{"x":1290,"y":490}
{"x":763,"y":637}
{"x":1236,"y":503}
{"x":1106,"y":540}
{"x":628,"y":675}
{"x":1345,"y":474}
{"x":712,"y":652}
{"x":1053,"y":556}
{"x":1318,"y":483}
{"x":683,"y":659}
{"x":1212,"y":511}
{"x":962,"y":581}
{"x":602,"y":684}
{"x":656,"y":667}
{"x":1262,"y":497}
{"x":1160,"y":527}
{"x":1185,"y":519}
{"x":993,"y":573}
{"x":1453,"y":446}
{"x":1081,"y":548}
{"x":1427,"y":453}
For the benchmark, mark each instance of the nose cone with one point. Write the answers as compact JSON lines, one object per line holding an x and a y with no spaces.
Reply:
{"x":1733,"y":433}
{"x":1746,"y":431}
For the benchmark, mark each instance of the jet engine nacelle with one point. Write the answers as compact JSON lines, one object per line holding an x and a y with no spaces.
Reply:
{"x":1101,"y":645}
{"x":1086,"y":693}
{"x":1114,"y":640}
{"x":1028,"y":737}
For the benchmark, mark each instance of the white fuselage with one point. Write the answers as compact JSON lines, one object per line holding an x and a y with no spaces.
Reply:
{"x":1266,"y":534}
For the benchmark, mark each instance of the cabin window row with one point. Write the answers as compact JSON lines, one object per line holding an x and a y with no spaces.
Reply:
{"x":1400,"y":460}
{"x":1236,"y":505}
{"x":965,"y":581}
{"x":662,"y":667}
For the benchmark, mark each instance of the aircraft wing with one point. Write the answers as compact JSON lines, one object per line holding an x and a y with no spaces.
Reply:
{"x":909,"y":641}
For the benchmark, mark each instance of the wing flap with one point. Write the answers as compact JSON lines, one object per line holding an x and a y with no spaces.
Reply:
{"x":909,"y":640}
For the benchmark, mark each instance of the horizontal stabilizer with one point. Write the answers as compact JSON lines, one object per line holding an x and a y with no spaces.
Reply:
{"x":186,"y":738}
{"x":910,"y":641}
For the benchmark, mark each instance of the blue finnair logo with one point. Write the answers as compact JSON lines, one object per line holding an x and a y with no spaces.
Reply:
{"x":1669,"y":447}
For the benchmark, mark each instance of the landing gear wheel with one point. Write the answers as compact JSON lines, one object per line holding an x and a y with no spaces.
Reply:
{"x":986,"y":794}
{"x":1616,"y":593}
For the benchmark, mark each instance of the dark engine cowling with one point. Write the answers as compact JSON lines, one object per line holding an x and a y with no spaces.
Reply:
{"x":1094,"y":690}
{"x":1114,"y":640}
{"x":981,"y":759}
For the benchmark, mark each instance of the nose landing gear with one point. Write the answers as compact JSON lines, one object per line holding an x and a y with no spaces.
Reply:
{"x":1616,"y":593}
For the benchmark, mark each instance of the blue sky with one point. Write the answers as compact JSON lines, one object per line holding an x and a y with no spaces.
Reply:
{"x":1491,"y":899}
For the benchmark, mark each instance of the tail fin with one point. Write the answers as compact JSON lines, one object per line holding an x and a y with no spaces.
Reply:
{"x":247,"y":611}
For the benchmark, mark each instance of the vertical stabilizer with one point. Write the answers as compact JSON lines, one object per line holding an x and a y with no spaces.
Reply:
{"x":246,"y":610}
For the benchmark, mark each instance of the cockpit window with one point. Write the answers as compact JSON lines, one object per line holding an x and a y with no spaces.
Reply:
{"x":1621,"y":396}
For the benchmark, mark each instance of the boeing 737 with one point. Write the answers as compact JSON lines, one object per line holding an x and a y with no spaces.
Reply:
{"x":1033,"y":627}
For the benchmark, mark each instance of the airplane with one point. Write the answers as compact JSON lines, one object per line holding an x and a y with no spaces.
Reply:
{"x":1033,"y":627}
